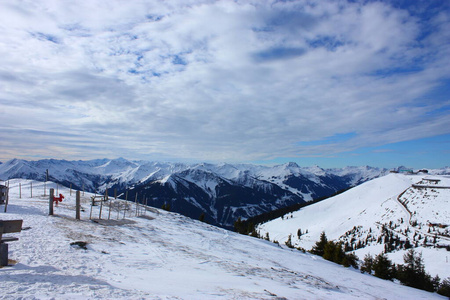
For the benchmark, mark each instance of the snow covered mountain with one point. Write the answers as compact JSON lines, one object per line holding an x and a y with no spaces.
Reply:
{"x":156,"y":254}
{"x":390,"y":213}
{"x":220,"y":192}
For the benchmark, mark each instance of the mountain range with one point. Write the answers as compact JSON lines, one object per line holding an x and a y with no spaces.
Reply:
{"x":221,"y":193}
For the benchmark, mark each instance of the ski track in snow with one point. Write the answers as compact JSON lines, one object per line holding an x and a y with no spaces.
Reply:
{"x":164,"y":255}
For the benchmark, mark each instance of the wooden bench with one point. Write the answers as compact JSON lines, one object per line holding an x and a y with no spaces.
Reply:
{"x":8,"y":226}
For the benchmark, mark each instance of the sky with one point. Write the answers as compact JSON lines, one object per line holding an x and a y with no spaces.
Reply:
{"x":332,"y":83}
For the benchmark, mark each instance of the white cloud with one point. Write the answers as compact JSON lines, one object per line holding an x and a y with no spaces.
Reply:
{"x":217,"y":80}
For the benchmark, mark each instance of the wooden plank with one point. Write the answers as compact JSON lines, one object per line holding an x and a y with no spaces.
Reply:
{"x":9,"y":239}
{"x":10,"y":226}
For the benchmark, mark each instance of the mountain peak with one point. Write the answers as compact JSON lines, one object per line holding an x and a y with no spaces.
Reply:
{"x":292,"y":165}
{"x":316,"y":170}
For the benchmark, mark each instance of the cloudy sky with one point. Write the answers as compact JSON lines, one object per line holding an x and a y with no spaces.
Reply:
{"x":332,"y":83}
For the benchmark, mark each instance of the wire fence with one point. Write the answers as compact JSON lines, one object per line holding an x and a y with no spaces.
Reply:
{"x":101,"y":206}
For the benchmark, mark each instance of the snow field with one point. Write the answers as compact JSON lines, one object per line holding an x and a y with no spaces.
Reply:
{"x":368,"y":206}
{"x":164,"y":255}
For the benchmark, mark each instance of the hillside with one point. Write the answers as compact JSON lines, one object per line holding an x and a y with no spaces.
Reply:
{"x":390,"y":213}
{"x":162,"y":255}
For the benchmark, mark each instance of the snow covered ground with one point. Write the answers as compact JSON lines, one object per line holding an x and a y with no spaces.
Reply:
{"x":368,"y":206}
{"x":162,"y":255}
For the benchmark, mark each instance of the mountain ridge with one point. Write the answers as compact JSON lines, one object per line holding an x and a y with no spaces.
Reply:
{"x":223,"y":192}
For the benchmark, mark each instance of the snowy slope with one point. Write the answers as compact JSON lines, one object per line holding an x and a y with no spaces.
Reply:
{"x":359,"y":215}
{"x":163,"y":255}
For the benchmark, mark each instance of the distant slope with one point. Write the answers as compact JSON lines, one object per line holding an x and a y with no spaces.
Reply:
{"x":163,"y":255}
{"x":361,"y":216}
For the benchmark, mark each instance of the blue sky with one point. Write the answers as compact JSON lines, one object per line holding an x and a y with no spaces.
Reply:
{"x":421,"y":153}
{"x":331,"y":83}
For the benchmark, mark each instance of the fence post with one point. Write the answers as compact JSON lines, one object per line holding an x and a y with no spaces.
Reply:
{"x":20,"y":190}
{"x":50,"y":202}
{"x":107,"y":199}
{"x":78,"y":205}
{"x":31,"y":189}
{"x":7,"y":197}
{"x":92,"y":204}
{"x":146,"y":206}
{"x":135,"y":203}
{"x":101,"y":207}
{"x":118,"y":209}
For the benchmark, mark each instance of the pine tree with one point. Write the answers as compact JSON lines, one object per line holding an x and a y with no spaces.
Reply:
{"x":202,"y":217}
{"x":359,"y":245}
{"x":367,"y":265}
{"x":238,"y":226}
{"x":413,"y":274}
{"x":347,"y":247}
{"x":319,"y":247}
{"x":382,"y":267}
{"x":350,"y":260}
{"x":444,"y":288}
{"x":166,"y":206}
{"x":407,"y":244}
{"x":436,"y":281}
{"x":289,"y":242}
{"x":331,"y":252}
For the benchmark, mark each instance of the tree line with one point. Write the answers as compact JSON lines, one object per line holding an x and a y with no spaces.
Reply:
{"x":412,"y":273}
